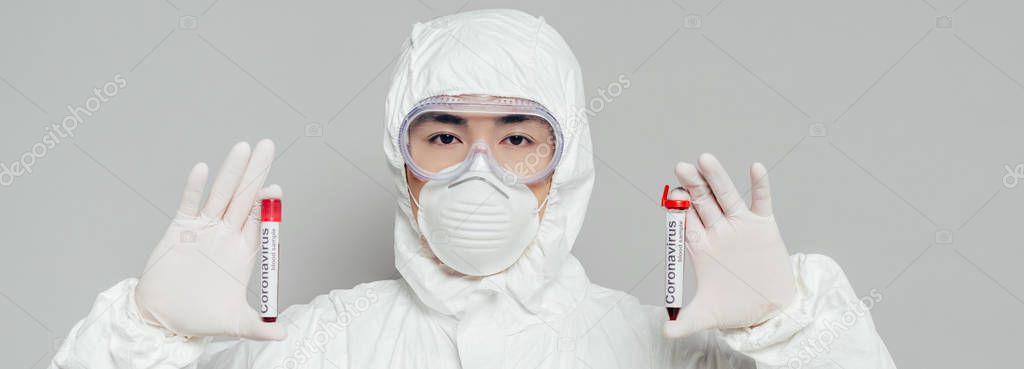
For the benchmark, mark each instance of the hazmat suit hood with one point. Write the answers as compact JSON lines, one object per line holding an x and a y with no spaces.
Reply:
{"x":503,"y":53}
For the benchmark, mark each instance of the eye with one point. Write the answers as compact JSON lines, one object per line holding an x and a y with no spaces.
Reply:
{"x":518,"y":140}
{"x":443,"y":139}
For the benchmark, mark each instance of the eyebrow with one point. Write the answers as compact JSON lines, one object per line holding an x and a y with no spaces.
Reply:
{"x":448,"y":119}
{"x":514,"y":118}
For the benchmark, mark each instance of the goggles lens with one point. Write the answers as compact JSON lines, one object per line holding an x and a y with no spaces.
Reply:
{"x":520,"y":138}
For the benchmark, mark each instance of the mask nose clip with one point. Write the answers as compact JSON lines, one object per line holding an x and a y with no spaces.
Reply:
{"x":480,"y":147}
{"x":479,"y":152}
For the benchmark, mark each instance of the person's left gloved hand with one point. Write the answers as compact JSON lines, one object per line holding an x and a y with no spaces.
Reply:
{"x":743,"y":272}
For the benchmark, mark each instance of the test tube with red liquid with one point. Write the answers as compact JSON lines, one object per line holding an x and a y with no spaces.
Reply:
{"x":270,"y":251}
{"x":675,"y":206}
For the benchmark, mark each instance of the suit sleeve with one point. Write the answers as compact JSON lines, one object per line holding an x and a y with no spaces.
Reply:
{"x":113,"y":335}
{"x":827,"y":326}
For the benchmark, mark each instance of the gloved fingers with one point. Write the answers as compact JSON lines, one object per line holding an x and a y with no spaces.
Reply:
{"x":251,"y":326}
{"x":255,"y":174}
{"x":270,"y":192}
{"x":701,"y":196}
{"x":252,"y":223}
{"x":760,"y":191}
{"x":692,"y":319}
{"x":227,"y":180}
{"x":193,"y":196}
{"x":729,"y":199}
{"x":696,"y":236}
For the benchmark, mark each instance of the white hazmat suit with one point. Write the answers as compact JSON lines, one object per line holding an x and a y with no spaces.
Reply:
{"x":542,"y":312}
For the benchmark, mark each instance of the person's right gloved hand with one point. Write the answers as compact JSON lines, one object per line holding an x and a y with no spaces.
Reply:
{"x":743,"y":270}
{"x":196,"y":279}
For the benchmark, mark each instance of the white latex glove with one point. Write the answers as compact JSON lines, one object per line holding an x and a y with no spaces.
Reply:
{"x":742,"y":267}
{"x":196,"y":279}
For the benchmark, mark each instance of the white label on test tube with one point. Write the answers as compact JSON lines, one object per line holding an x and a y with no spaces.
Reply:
{"x":268,"y":269}
{"x":674,"y":253}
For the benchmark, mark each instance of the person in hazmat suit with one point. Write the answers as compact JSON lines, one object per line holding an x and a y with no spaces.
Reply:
{"x":487,"y":138}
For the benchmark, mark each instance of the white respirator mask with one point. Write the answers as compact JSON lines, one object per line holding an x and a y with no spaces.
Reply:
{"x":476,"y":224}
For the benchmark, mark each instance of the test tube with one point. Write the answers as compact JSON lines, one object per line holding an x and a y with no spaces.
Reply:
{"x":270,"y":252}
{"x":676,"y":205}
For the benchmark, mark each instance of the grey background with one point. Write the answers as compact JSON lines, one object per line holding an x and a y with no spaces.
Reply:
{"x":905,"y":187}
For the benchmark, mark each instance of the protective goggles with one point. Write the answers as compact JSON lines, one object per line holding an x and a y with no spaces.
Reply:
{"x":442,"y":136}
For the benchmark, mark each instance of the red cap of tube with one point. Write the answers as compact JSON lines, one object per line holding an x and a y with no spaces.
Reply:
{"x":673,"y":204}
{"x":270,"y":210}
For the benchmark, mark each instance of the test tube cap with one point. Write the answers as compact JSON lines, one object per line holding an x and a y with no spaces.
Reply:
{"x":676,"y":204}
{"x":270,"y":210}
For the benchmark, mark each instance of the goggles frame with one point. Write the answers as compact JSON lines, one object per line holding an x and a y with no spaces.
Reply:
{"x":474,"y":104}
